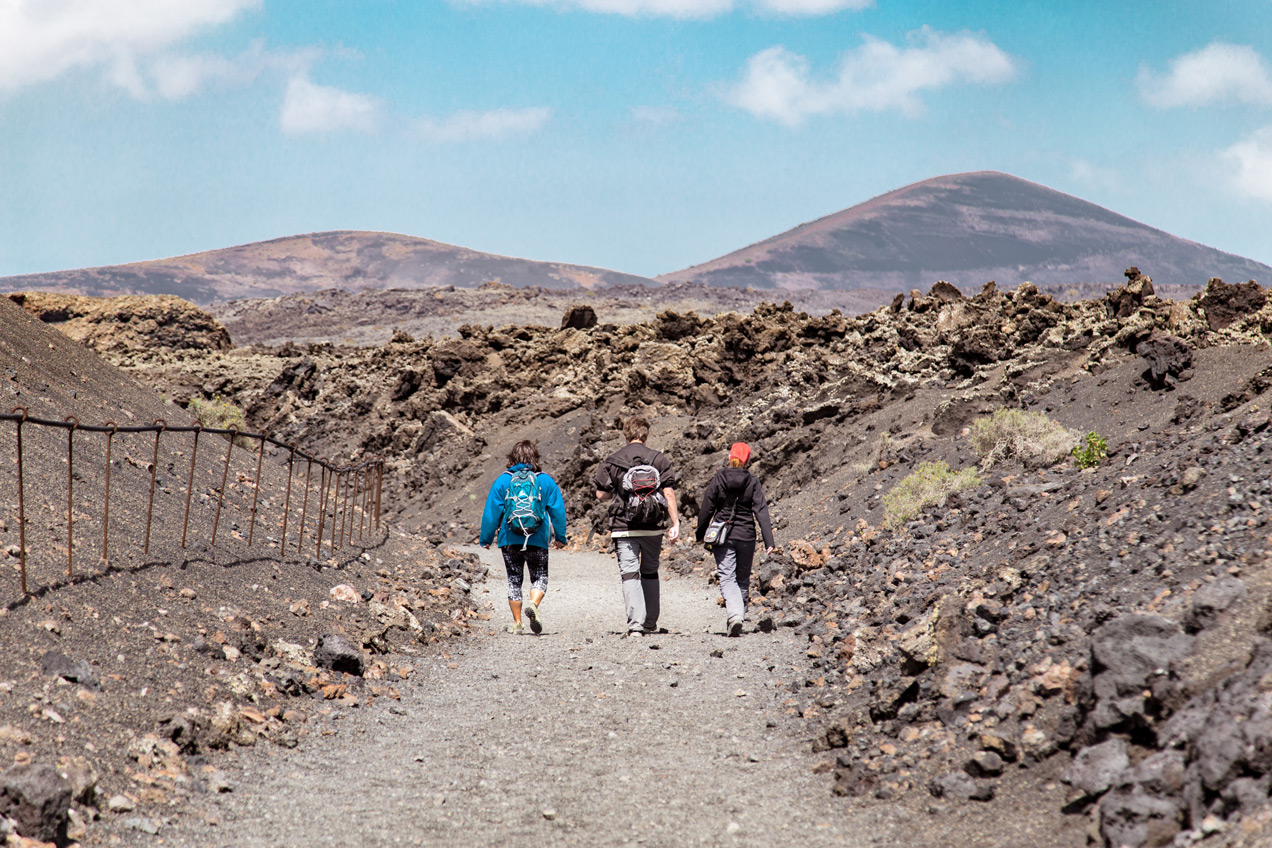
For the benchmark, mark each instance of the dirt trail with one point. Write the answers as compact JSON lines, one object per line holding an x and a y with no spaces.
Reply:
{"x":579,"y":736}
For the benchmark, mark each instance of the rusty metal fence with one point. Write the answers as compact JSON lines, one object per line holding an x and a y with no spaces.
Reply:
{"x":346,"y":498}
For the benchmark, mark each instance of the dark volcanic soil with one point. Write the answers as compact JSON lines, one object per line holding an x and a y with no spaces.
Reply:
{"x":1089,"y":642}
{"x":130,"y":674}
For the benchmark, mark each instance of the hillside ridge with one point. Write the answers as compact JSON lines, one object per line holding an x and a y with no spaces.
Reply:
{"x":969,"y":228}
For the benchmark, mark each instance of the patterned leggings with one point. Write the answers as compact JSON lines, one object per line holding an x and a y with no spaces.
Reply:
{"x":536,"y":559}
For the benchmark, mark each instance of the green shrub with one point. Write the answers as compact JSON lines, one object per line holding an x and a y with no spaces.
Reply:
{"x":222,"y":415}
{"x":930,"y":483}
{"x":1031,"y":437}
{"x":1091,"y":451}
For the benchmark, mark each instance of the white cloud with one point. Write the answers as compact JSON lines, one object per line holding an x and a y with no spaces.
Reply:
{"x":177,"y":76}
{"x":1217,"y":73}
{"x":312,"y":108}
{"x":1250,"y":161}
{"x":42,"y":39}
{"x":696,"y":9}
{"x":876,"y":77}
{"x":496,"y":123}
{"x":811,"y":7}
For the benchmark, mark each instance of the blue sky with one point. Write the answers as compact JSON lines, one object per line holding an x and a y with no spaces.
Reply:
{"x":640,"y":135}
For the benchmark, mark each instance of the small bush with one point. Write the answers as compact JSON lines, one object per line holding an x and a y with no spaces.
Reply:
{"x":1091,"y":451}
{"x":1031,"y":437}
{"x":930,"y":483}
{"x":222,"y":415}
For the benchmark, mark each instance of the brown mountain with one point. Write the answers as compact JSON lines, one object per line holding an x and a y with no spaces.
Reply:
{"x":295,"y":264}
{"x":968,"y":229}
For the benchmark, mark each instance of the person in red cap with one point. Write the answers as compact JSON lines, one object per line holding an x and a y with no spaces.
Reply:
{"x":736,"y":496}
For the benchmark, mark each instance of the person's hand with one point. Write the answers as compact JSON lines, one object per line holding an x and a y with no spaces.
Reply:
{"x":558,"y":544}
{"x":487,"y":547}
{"x":770,"y":549}
{"x":673,"y":532}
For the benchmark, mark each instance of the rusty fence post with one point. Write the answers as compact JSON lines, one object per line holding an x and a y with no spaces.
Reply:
{"x":352,"y":507}
{"x":337,"y":503}
{"x":291,"y":458}
{"x":337,"y":507}
{"x":304,"y":505}
{"x":225,"y":475}
{"x":362,"y":516}
{"x":70,"y":495}
{"x":21,"y":501}
{"x":154,"y":474}
{"x":322,"y":508}
{"x":346,"y":526}
{"x":194,"y":452}
{"x":110,"y":439}
{"x":379,"y":490}
{"x":366,"y":501}
{"x":338,"y":481}
{"x":256,"y":490}
{"x":334,"y":500}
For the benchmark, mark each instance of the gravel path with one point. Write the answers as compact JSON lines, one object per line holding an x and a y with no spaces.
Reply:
{"x":577,"y":737}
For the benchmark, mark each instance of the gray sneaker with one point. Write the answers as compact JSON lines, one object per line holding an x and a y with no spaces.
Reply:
{"x":733,"y":627}
{"x":531,"y":610}
{"x":516,"y":629}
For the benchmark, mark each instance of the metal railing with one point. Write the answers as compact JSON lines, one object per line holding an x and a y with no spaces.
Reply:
{"x":348,"y":496}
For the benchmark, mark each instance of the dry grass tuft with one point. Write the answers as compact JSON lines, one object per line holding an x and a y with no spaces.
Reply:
{"x":222,"y":415}
{"x":930,"y":483}
{"x":1031,"y":437}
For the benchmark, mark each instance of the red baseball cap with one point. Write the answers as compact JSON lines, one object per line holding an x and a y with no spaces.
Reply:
{"x":740,"y":451}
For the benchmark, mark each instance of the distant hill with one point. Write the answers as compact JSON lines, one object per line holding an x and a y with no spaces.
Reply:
{"x":968,"y":229}
{"x":342,"y":259}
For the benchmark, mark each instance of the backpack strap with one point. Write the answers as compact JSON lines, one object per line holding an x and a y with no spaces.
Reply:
{"x":623,"y":466}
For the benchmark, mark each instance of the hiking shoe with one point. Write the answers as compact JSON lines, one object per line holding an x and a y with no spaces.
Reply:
{"x":517,"y":629}
{"x":733,"y":627}
{"x":531,"y":609}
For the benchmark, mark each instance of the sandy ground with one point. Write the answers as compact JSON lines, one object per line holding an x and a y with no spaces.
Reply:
{"x":576,"y":737}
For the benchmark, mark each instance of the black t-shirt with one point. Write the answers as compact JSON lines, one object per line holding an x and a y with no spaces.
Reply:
{"x":609,"y":476}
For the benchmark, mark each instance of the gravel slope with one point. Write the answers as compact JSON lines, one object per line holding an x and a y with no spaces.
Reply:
{"x":580,"y":736}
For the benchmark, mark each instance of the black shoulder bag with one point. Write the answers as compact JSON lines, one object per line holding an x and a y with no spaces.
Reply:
{"x":718,"y":530}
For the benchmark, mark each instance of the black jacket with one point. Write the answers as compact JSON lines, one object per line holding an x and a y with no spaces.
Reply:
{"x":609,"y":476}
{"x":736,"y":485}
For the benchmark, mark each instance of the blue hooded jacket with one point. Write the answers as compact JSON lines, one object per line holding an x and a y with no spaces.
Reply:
{"x":492,"y":516}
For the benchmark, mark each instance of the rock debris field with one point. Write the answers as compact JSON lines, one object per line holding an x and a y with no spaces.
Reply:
{"x":579,"y":736}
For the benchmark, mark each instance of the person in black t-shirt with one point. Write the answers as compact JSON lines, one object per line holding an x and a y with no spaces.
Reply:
{"x":638,"y":537}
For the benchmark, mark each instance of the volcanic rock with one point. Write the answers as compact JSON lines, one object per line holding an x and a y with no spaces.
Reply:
{"x":1095,"y":768}
{"x":1224,"y":304}
{"x":76,"y":671}
{"x":579,"y":317}
{"x":338,"y":654}
{"x":37,"y":798}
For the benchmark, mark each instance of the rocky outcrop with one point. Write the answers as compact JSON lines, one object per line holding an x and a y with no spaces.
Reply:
{"x":128,"y":326}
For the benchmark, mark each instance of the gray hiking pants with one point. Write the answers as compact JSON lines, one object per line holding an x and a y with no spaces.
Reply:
{"x":733,"y":570}
{"x":638,"y":566}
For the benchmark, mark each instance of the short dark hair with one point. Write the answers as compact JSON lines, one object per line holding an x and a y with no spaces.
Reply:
{"x":636,"y":429}
{"x":524,"y":452}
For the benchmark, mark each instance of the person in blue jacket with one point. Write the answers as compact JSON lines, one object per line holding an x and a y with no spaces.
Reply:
{"x":519,"y":552}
